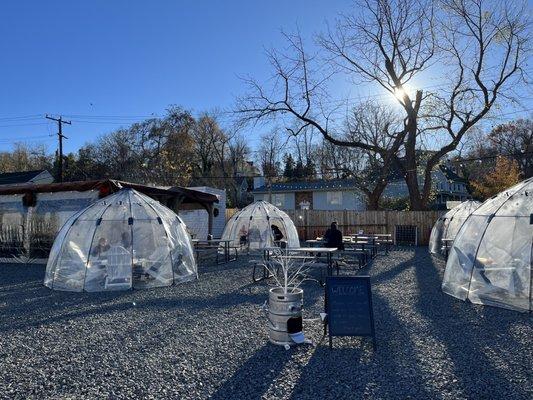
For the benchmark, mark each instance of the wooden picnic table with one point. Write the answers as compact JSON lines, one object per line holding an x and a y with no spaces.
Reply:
{"x":376,"y":239}
{"x":384,"y":239}
{"x":218,"y":242}
{"x":365,"y":241}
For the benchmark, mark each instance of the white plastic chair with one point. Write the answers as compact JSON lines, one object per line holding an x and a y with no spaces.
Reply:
{"x":118,"y":268}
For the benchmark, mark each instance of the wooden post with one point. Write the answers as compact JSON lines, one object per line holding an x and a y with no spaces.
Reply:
{"x":210,"y":217}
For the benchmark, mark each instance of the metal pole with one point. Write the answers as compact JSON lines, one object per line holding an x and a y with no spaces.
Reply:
{"x":60,"y":135}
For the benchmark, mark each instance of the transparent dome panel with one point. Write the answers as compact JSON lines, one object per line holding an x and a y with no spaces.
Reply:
{"x":520,"y":204}
{"x":462,"y":255}
{"x":502,"y":270}
{"x":258,"y":225}
{"x":436,"y":236}
{"x":500,"y":264}
{"x":449,"y":224}
{"x":152,"y":263}
{"x":492,"y":205}
{"x":125,"y":240}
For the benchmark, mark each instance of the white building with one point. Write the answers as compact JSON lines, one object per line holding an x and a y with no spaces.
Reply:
{"x":197,"y":220}
{"x":339,"y":194}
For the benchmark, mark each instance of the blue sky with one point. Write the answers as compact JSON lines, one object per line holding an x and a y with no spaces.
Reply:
{"x":135,"y":58}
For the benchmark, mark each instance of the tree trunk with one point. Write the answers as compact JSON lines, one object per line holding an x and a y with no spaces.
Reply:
{"x":415,"y":200}
{"x":373,"y":201}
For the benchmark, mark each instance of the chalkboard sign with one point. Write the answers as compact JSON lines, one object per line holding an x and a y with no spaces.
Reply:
{"x":349,"y":307}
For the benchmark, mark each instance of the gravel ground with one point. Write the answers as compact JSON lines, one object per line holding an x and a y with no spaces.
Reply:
{"x":207,"y":339}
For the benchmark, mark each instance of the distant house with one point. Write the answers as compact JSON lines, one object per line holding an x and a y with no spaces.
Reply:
{"x":343,"y":194}
{"x":23,"y":177}
{"x":450,"y":186}
{"x":313,"y":195}
{"x":447,"y":184}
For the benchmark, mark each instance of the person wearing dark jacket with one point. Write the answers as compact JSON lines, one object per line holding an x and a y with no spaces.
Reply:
{"x":276,"y":232}
{"x":333,"y":237}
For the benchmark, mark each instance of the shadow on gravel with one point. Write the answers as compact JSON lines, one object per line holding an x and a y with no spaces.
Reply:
{"x":26,"y":302}
{"x":390,"y":372}
{"x":57,"y":302}
{"x":393,"y":272}
{"x":470,"y":334}
{"x":253,"y":378}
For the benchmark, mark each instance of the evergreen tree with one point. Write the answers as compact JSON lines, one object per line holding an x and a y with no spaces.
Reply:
{"x":288,"y":171}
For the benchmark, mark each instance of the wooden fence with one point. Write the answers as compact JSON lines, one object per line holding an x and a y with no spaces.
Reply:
{"x":313,"y":223}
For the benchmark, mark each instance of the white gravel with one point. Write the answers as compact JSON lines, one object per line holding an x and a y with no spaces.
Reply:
{"x":208,"y":339}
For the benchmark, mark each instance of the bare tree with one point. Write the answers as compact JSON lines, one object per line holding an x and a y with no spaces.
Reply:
{"x":24,"y":157}
{"x":269,"y":154}
{"x":236,"y":160}
{"x":371,"y":123}
{"x":475,"y":47}
{"x":304,"y":145}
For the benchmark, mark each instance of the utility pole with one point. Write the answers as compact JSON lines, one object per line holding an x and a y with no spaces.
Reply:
{"x":60,"y":135}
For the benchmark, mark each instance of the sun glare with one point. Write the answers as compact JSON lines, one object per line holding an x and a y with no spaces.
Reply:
{"x":400,"y":93}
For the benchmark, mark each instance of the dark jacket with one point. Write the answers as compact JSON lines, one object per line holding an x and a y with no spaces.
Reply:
{"x":333,"y":238}
{"x":278,"y":235}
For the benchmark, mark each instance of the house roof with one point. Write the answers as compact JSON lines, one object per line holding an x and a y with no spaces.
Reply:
{"x":451,"y":175}
{"x":322,"y":184}
{"x":12,"y":178}
{"x":187,"y":195}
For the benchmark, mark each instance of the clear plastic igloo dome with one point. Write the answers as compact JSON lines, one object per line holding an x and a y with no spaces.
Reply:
{"x":449,"y":224}
{"x":491,"y":258}
{"x":252,"y":227}
{"x":122,"y":241}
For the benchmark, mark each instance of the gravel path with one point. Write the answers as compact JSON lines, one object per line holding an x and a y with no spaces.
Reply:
{"x":207,"y":339}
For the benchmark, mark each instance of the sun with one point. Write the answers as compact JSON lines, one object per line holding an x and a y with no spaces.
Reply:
{"x":400,"y":93}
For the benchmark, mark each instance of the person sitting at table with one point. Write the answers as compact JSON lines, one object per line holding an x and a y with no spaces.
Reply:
{"x":333,"y":237}
{"x":243,"y":236}
{"x":276,"y":233}
{"x":101,"y":248}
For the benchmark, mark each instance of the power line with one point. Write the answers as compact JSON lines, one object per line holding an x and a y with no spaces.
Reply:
{"x":21,"y":117}
{"x":25,"y":124}
{"x":22,"y":138}
{"x":112,"y":116}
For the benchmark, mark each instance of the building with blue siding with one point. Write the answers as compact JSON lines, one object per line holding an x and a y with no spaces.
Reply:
{"x":343,"y":194}
{"x":340,"y":194}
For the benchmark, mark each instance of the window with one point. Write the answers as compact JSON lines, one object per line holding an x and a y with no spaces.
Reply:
{"x":334,"y":198}
{"x":278,"y":199}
